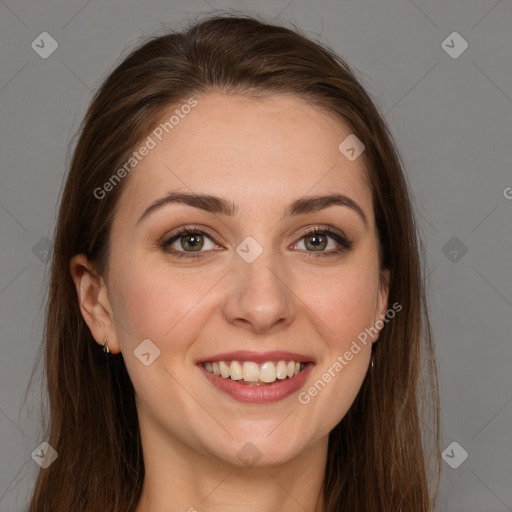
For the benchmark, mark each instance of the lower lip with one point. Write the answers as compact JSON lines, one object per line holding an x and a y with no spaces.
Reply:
{"x":266,"y":394}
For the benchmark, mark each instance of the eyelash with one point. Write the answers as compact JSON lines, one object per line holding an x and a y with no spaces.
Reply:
{"x":345,"y":244}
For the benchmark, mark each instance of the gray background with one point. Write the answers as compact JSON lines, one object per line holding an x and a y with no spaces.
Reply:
{"x":451,"y":118}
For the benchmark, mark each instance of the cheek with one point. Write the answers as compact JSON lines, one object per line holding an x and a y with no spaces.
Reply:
{"x":165,"y":308}
{"x":345,"y":304}
{"x":343,"y":310}
{"x":157,"y":304}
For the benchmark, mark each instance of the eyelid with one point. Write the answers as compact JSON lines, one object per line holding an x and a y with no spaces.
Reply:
{"x":324,"y":227}
{"x":194,"y":228}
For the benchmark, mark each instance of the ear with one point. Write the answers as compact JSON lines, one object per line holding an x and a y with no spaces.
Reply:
{"x":94,"y":302}
{"x":382,"y":298}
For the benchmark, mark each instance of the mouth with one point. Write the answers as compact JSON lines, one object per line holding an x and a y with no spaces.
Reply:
{"x":257,"y":378}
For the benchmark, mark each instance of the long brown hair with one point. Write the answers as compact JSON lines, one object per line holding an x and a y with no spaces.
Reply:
{"x":377,"y":459}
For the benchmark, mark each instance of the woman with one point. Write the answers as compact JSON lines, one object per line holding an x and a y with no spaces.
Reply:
{"x":236,"y":317}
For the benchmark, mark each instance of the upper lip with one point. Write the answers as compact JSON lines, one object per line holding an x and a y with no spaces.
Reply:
{"x":259,"y":357}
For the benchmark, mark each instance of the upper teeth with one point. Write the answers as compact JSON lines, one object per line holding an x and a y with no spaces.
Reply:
{"x":253,"y":372}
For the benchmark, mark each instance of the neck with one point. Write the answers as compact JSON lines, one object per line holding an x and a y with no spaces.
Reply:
{"x":179,"y":477}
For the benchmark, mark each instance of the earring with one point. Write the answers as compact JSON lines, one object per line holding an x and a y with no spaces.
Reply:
{"x":104,"y":346}
{"x":372,"y":358}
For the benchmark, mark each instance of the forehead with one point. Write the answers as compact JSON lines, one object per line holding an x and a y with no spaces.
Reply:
{"x":255,"y":151}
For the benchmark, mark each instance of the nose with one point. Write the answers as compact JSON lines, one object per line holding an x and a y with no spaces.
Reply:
{"x":260,"y":299}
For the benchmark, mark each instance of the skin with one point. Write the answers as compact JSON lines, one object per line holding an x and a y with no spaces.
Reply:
{"x":248,"y":151}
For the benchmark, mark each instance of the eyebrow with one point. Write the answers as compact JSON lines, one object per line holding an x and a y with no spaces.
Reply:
{"x":219,"y":205}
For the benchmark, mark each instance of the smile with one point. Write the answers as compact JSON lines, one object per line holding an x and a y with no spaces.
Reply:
{"x":257,"y":378}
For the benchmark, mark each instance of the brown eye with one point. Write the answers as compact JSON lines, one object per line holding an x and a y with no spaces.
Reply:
{"x":193,"y":241}
{"x":318,"y":240}
{"x":188,"y":241}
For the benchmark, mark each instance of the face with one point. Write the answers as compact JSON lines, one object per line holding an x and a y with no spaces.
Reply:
{"x":252,"y":287}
